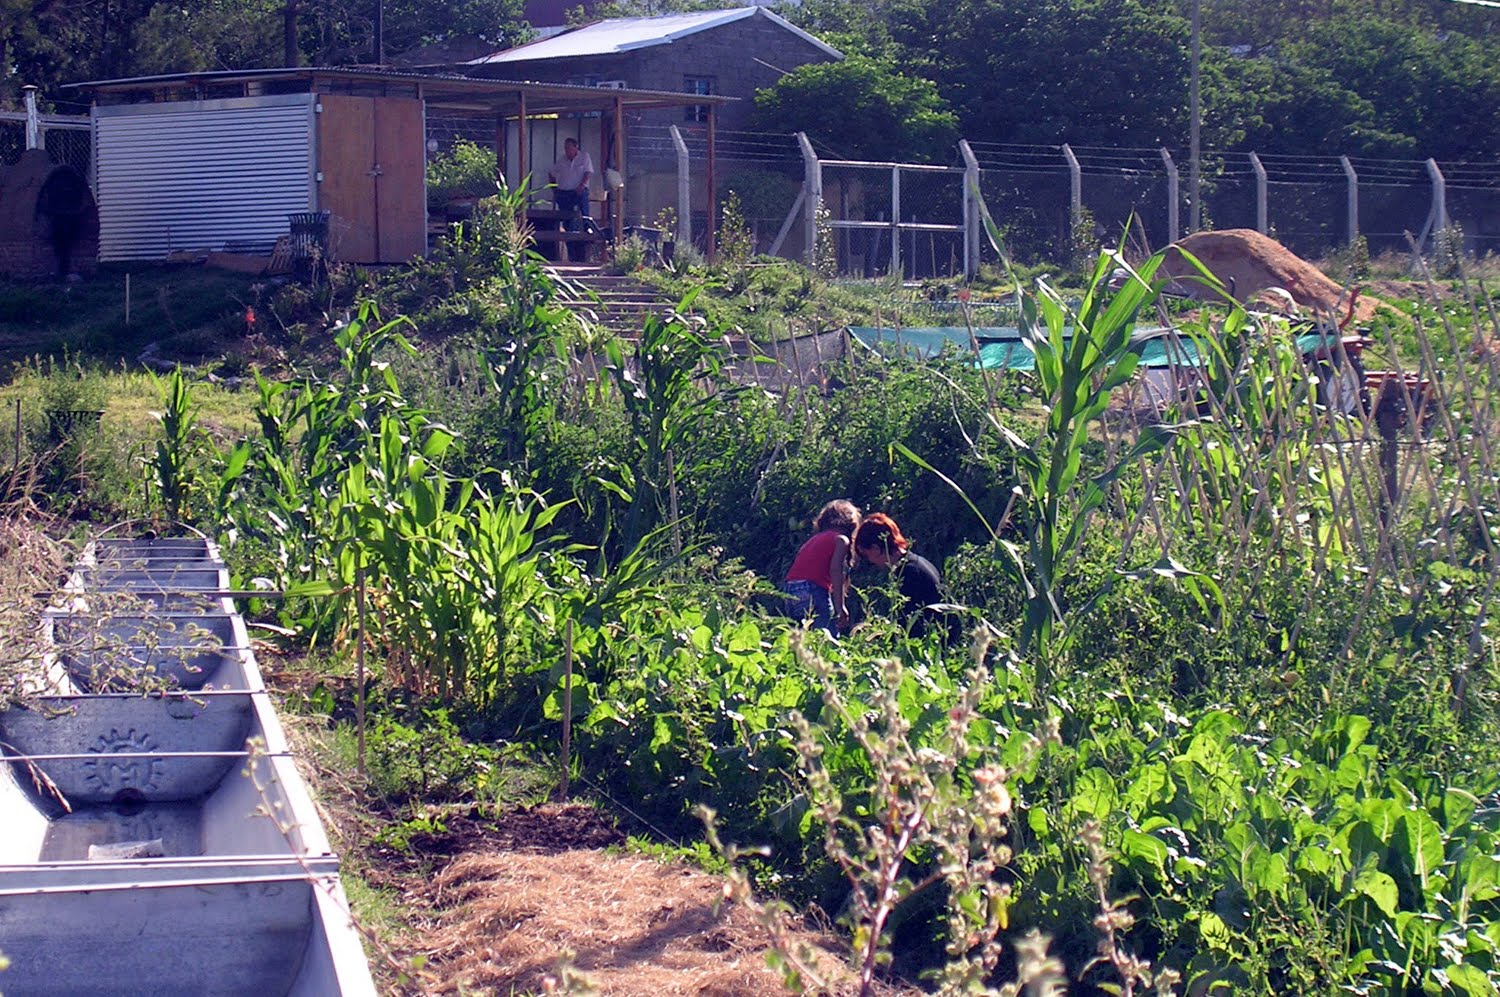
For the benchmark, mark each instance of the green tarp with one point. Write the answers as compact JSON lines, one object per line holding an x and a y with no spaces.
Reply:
{"x":1000,"y":347}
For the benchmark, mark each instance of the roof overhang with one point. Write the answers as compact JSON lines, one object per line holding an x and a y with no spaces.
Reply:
{"x":447,"y":92}
{"x":615,"y":36}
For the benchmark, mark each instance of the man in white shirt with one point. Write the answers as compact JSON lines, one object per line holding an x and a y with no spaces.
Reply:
{"x":571,"y":175}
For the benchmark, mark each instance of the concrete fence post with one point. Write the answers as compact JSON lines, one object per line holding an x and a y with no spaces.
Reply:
{"x":33,"y":120}
{"x":1260,"y":193}
{"x":896,"y":221}
{"x":812,"y":186}
{"x":1352,"y":198}
{"x":684,"y":191}
{"x":1075,"y":190}
{"x":971,"y":208}
{"x":1172,"y":196}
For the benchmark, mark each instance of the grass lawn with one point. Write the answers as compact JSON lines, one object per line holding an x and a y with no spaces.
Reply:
{"x":188,"y":308}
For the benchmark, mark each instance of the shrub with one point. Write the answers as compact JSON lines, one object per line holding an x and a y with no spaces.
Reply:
{"x":466,"y":170}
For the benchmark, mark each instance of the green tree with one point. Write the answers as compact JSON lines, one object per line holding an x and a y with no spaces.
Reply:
{"x":861,"y":108}
{"x":1432,"y":94}
{"x":209,"y":35}
{"x":1101,"y":71}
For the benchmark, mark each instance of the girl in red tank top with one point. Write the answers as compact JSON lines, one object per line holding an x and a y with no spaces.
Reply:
{"x":819,"y":577}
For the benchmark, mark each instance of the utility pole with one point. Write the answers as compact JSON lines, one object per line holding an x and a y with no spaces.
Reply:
{"x":1195,"y":212}
{"x":292,"y":56}
{"x":379,"y":32}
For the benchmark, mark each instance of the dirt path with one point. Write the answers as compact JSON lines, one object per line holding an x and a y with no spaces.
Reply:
{"x":511,"y":902}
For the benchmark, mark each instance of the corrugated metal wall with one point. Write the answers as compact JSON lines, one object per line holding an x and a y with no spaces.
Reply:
{"x":201,"y":175}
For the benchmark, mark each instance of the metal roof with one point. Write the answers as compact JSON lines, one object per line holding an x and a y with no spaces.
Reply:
{"x":625,"y":34}
{"x":437,"y":89}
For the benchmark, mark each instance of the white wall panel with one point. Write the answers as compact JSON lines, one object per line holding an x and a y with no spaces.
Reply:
{"x":200,"y":175}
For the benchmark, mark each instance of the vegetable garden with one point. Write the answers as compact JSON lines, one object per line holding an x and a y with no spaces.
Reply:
{"x":1227,"y":722}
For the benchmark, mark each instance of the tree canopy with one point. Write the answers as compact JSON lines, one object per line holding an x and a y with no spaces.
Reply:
{"x":861,"y":109}
{"x":1362,"y":77}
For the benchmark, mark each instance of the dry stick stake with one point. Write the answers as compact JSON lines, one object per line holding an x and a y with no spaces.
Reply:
{"x":1148,"y":496}
{"x":1359,"y":457}
{"x":1334,"y":440}
{"x":359,"y":666}
{"x":18,"y":432}
{"x":984,"y":374}
{"x":672,"y":502}
{"x":567,"y":731}
{"x":801,"y":380}
{"x":1340,"y":527}
{"x":1393,"y":514}
{"x":1480,"y":439}
{"x":1423,"y":462}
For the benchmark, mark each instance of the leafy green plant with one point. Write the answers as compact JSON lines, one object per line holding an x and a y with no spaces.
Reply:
{"x":424,"y":761}
{"x":735,"y":243}
{"x":465,"y":170}
{"x":629,"y":256}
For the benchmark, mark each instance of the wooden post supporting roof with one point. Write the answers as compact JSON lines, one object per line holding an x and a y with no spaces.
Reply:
{"x":619,"y":157}
{"x":713,"y":168}
{"x":500,"y":152}
{"x":523,"y":141}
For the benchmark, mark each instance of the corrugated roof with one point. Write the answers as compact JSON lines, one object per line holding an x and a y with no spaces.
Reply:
{"x":625,"y":34}
{"x":437,"y":89}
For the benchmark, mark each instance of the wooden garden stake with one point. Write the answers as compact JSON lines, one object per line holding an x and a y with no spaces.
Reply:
{"x":672,"y":502}
{"x":567,"y":718}
{"x":359,"y":665}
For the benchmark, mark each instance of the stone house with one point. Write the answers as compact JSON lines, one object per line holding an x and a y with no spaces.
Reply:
{"x":726,"y":53}
{"x":732,"y":53}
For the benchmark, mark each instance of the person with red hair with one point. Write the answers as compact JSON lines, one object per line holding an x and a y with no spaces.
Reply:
{"x":879,"y":541}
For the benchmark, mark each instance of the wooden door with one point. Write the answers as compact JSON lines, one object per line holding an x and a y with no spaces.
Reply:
{"x":400,"y":180}
{"x":372,"y":160}
{"x":346,"y":188}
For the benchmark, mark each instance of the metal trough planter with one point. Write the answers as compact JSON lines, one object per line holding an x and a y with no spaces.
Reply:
{"x":165,"y":548}
{"x":166,"y":874}
{"x":127,"y":749}
{"x":246,"y":938}
{"x":158,"y":577}
{"x":106,"y":653}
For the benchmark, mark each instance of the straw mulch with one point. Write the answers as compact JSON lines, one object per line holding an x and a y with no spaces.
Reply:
{"x":634,"y":926}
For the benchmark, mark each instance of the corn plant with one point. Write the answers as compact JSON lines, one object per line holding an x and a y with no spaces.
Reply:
{"x":179,"y":451}
{"x":671,"y":391}
{"x":1083,"y":354}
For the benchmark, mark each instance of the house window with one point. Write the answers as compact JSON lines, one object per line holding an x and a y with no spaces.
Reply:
{"x":697,"y":85}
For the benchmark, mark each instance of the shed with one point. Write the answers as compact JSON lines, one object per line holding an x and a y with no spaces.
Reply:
{"x":221,"y":160}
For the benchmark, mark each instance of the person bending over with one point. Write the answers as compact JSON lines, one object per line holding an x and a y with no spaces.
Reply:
{"x":818,"y":580}
{"x":879,"y":541}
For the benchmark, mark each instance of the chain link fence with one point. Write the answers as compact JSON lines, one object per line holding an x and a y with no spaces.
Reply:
{"x":1139,"y":194}
{"x":69,"y":140}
